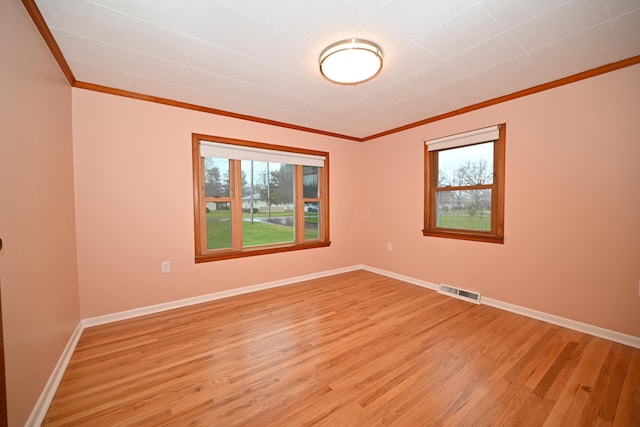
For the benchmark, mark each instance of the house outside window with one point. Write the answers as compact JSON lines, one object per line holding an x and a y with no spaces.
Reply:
{"x":254,"y":198}
{"x":464,"y":185}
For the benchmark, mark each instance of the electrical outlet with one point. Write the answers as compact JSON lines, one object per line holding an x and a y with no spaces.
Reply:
{"x":165,"y":266}
{"x":389,"y":246}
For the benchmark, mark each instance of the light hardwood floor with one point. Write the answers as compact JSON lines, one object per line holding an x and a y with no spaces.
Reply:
{"x":356,"y":349}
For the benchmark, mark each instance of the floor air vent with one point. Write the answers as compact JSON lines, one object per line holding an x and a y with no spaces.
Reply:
{"x":460,"y":293}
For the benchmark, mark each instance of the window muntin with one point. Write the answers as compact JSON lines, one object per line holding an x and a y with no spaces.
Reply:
{"x":254,"y":198}
{"x":464,"y":186}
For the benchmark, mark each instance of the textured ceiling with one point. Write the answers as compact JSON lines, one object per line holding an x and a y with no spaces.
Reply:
{"x":260,"y":58}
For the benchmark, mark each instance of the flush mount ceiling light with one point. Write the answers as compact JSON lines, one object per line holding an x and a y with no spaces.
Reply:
{"x":351,"y":61}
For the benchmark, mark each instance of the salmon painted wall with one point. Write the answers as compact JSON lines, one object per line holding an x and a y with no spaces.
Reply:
{"x":38,"y":268}
{"x":572,"y":213}
{"x":134,"y":201}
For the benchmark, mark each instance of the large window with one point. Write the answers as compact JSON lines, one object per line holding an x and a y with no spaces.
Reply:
{"x":464,"y":185}
{"x":253,"y":198}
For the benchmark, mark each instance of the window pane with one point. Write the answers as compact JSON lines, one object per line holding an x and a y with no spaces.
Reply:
{"x":310,"y":182}
{"x":218,"y":225}
{"x":267,"y":203}
{"x":466,"y":210}
{"x":216,"y":177}
{"x":264,"y":231}
{"x":463,"y":166}
{"x":311,"y":220}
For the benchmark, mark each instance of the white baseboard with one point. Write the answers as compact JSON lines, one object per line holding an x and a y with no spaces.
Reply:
{"x":539,"y":315}
{"x":407,"y":279}
{"x":143,"y":311}
{"x":564,"y":322}
{"x":42,"y":405}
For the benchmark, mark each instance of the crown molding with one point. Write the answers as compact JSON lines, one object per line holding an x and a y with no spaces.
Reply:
{"x":42,"y":27}
{"x":519,"y":94}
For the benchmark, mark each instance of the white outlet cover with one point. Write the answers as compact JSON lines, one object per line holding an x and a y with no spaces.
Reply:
{"x":165,"y":266}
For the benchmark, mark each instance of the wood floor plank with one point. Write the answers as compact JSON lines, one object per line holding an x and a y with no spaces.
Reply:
{"x":355,"y":349}
{"x":554,"y":370}
{"x":577,"y":393}
{"x":628,"y":408}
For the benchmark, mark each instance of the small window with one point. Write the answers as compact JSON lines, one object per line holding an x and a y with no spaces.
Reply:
{"x":464,"y":185}
{"x":253,"y":198}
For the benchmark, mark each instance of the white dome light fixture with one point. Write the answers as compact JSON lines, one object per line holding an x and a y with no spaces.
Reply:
{"x":352,"y":61}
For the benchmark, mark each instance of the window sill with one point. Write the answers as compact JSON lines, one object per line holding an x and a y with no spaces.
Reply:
{"x":222,"y":255}
{"x":461,"y":235}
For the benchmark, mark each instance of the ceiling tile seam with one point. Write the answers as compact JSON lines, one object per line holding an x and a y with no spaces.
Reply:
{"x":200,"y":22}
{"x":209,"y":110}
{"x":620,"y":17}
{"x":230,"y":6}
{"x":507,"y":31}
{"x":404,"y":38}
{"x":613,"y":18}
{"x":535,"y":89}
{"x":160,"y":58}
{"x":346,"y":108}
{"x":70,"y":57}
{"x":613,"y":27}
{"x":446,"y":59}
{"x":578,"y":58}
{"x":438,"y":62}
{"x":558,"y":40}
{"x":475,"y":73}
{"x":533,"y":18}
{"x":407,"y":40}
{"x":154,"y":24}
{"x":371,"y":14}
{"x":446,"y":21}
{"x":452,"y":83}
{"x":182,"y":84}
{"x":472,"y":47}
{"x":606,"y":6}
{"x":432,"y":88}
{"x":596,"y":43}
{"x":307,"y":102}
{"x":524,"y":50}
{"x":429,"y":51}
{"x":604,"y":69}
{"x":271,"y":106}
{"x":243,"y":82}
{"x":373,"y":95}
{"x":128,"y":73}
{"x":273,"y":27}
{"x":627,"y":13}
{"x":114,"y":46}
{"x":492,"y":17}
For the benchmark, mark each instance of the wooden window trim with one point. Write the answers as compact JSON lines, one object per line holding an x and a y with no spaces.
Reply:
{"x":235,"y":198}
{"x":496,"y":235}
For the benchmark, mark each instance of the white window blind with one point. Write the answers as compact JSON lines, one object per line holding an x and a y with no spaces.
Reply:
{"x":467,"y":138}
{"x":240,"y":152}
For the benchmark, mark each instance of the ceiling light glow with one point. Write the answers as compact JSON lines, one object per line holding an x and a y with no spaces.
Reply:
{"x":351,"y":61}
